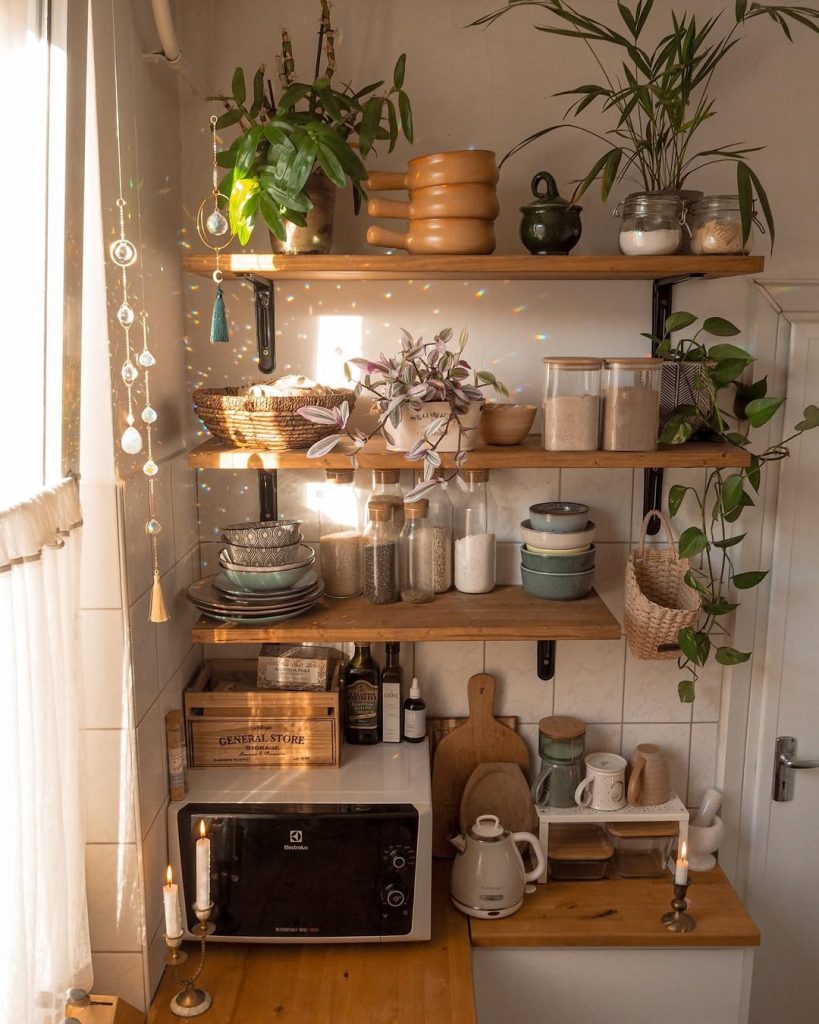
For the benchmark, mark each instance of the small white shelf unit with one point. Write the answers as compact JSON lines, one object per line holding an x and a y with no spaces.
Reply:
{"x":673,"y":810}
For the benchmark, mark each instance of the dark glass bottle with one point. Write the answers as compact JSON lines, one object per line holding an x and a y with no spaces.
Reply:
{"x":392,"y":679}
{"x":362,"y":698}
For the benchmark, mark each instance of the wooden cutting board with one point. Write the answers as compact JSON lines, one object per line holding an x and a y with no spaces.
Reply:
{"x":498,"y":788}
{"x":481,"y":738}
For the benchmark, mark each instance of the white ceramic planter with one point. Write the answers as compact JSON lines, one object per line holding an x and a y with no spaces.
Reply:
{"x":413,"y":424}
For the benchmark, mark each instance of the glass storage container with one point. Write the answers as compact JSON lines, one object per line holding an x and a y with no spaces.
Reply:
{"x":440,"y":522}
{"x":341,"y":538}
{"x":578,"y":853}
{"x":651,"y":225}
{"x":562,"y":747}
{"x":415,"y":564}
{"x":387,"y":489}
{"x":474,"y":544}
{"x":381,"y":555}
{"x":642,"y":848}
{"x":631,"y":404}
{"x":571,"y":404}
{"x":715,"y":226}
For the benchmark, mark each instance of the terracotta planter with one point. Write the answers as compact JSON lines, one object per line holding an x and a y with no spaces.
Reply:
{"x":413,"y":424}
{"x":317,"y":237}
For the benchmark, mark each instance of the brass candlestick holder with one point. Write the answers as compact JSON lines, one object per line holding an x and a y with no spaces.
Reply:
{"x":190,"y":1001}
{"x":677,"y":920}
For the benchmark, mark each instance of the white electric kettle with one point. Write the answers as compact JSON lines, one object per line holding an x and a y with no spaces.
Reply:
{"x":488,"y":876}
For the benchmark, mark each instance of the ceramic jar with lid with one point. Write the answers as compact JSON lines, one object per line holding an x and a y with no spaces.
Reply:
{"x":550,"y":225}
{"x":631,"y":404}
{"x":651,"y":223}
{"x":714,"y":224}
{"x":571,"y":403}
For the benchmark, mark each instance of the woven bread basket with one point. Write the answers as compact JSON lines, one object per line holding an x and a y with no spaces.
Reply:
{"x":659,"y":603}
{"x":236,"y":417}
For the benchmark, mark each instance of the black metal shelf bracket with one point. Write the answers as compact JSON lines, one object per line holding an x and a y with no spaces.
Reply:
{"x":268,"y":496}
{"x":546,"y":658}
{"x":263,"y":292}
{"x":662,"y":294}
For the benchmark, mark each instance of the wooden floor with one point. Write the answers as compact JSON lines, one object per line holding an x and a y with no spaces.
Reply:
{"x":393,"y":983}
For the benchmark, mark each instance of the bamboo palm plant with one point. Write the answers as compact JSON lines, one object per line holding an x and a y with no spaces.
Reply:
{"x":661,"y":95}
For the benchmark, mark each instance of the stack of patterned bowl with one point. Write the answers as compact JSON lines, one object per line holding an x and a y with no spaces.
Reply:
{"x":267,"y":575}
{"x":557,"y":554}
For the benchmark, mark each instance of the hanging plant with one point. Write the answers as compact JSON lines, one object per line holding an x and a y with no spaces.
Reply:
{"x":727,"y":493}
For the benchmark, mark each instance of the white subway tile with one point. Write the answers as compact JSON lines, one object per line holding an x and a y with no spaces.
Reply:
{"x":173,"y":637}
{"x":687,"y":515}
{"x":154,"y":865}
{"x":144,"y":655}
{"x":603,"y":739}
{"x":607,"y":492}
{"x":151,"y":765}
{"x":609,"y":575}
{"x":114,"y":911}
{"x":589,"y":679}
{"x":511,"y":493}
{"x":673,"y":739}
{"x":703,"y":768}
{"x":507,"y":564}
{"x":100,"y":583}
{"x":651,"y":692}
{"x":185,"y":510}
{"x":137,"y":542}
{"x":106,"y":701}
{"x":443,"y":669}
{"x":109,"y":786}
{"x":519,"y":691}
{"x":157,"y":951}
{"x":708,"y":689}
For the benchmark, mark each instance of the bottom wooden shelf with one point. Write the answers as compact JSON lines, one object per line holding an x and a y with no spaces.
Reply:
{"x":507,"y":613}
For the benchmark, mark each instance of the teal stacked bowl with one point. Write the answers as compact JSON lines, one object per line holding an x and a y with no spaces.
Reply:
{"x":567,"y":586}
{"x":557,"y":564}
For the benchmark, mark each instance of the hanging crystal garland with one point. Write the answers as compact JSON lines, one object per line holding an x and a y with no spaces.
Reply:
{"x":124,"y":254}
{"x":215,"y":225}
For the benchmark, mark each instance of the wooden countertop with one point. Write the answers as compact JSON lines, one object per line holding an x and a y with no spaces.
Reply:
{"x":389,"y":983}
{"x":622,"y":912}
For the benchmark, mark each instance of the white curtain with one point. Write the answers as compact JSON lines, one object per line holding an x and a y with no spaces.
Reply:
{"x":44,"y":944}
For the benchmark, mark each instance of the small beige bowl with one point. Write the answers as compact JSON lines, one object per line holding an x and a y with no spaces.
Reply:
{"x":506,"y":423}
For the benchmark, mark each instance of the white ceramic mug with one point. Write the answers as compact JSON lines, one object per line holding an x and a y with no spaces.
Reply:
{"x":604,"y":788}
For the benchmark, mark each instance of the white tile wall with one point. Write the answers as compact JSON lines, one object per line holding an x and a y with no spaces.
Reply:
{"x":121,"y":974}
{"x":114,"y":899}
{"x":109,"y":786}
{"x":106,"y":673}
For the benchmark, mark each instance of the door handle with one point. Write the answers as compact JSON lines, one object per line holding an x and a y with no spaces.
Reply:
{"x":784,"y":767}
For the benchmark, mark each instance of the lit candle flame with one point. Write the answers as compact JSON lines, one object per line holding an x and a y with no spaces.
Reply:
{"x":683,"y":850}
{"x":169,"y":875}
{"x":202,"y":828}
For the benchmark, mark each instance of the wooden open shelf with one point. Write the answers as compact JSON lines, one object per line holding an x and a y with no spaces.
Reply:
{"x":507,"y":613}
{"x":395,"y":267}
{"x":213,"y":454}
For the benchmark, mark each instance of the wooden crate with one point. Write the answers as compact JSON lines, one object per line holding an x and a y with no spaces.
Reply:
{"x":229,"y":722}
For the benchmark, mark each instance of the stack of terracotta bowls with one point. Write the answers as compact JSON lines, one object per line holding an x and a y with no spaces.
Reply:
{"x":452,"y":204}
{"x":557,"y":554}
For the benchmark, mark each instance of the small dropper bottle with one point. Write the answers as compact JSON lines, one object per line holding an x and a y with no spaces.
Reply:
{"x":415,"y":715}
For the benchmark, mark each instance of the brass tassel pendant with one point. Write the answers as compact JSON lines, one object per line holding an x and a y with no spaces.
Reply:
{"x":158,"y":611}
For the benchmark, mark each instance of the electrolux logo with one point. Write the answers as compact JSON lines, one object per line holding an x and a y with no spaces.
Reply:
{"x":296,"y":841}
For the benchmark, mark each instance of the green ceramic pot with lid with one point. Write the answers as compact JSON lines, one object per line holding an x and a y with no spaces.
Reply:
{"x":550,"y":225}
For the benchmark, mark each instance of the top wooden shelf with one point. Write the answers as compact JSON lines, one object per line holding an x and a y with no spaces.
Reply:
{"x":395,"y":267}
{"x":213,"y":454}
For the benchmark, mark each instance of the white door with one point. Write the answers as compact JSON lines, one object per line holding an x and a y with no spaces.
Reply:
{"x":783,"y":879}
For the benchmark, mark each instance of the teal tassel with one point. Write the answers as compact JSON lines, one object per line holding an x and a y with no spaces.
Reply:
{"x":218,"y":324}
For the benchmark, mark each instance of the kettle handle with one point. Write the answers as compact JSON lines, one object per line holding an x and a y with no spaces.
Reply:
{"x":537,"y":849}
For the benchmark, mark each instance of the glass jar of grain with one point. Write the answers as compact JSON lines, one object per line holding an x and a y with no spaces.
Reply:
{"x":715,"y":226}
{"x":631,"y":404}
{"x":387,"y":489}
{"x":440,"y":522}
{"x":571,"y":404}
{"x":341,"y":538}
{"x":415,"y":561}
{"x":381,"y":554}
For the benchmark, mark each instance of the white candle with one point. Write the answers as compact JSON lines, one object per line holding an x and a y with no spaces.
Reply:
{"x":202,"y":869}
{"x":173,"y":917}
{"x":681,"y":874}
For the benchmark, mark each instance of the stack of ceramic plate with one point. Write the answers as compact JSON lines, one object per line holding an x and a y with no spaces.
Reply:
{"x":259,"y":594}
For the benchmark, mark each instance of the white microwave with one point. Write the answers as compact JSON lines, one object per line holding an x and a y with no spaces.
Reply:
{"x":314,"y":854}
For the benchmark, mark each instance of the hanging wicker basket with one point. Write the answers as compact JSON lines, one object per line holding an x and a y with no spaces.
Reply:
{"x":659,"y":603}
{"x":272,"y":423}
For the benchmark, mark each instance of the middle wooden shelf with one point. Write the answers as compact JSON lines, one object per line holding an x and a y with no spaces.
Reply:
{"x":215,"y":454}
{"x":507,"y":613}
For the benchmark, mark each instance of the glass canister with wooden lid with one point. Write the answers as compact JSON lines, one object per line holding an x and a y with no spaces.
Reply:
{"x":562,"y":747}
{"x":631,"y":404}
{"x":571,"y":403}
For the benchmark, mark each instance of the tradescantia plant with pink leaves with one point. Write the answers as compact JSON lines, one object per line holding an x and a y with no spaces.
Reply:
{"x":420,"y":372}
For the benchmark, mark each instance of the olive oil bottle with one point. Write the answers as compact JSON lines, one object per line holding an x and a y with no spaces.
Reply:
{"x":362,"y":698}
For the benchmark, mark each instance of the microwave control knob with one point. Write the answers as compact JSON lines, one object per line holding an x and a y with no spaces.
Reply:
{"x":395,"y":896}
{"x":398,"y":861}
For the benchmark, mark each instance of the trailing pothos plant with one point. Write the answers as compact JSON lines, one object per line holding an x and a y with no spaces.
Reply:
{"x":661,"y":94}
{"x":420,"y":372}
{"x":312,"y":125}
{"x":734,"y":406}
